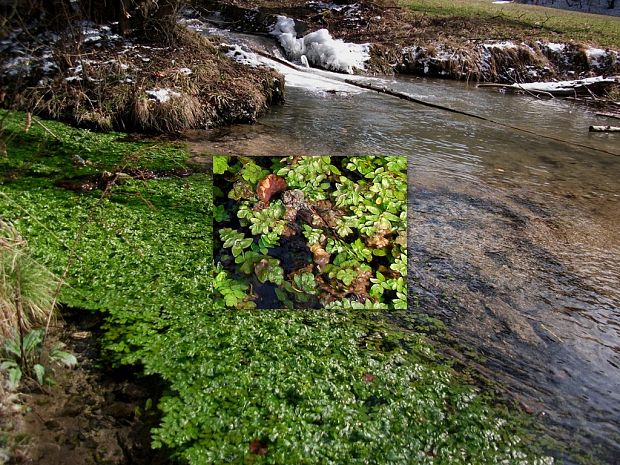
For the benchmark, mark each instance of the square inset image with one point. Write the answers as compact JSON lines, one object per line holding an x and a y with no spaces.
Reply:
{"x":304,"y":232}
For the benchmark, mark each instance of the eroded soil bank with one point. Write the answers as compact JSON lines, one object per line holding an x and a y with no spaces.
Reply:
{"x":91,"y":415}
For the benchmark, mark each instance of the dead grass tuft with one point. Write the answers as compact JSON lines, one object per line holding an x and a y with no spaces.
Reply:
{"x":104,"y":85}
{"x":177,"y":113}
{"x":26,"y":287}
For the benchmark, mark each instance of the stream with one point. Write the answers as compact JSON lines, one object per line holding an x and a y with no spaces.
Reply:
{"x":513,"y":241}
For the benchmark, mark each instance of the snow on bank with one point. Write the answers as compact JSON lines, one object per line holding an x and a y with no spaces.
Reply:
{"x":295,"y":76}
{"x":24,"y":58}
{"x":560,"y":86}
{"x":162,"y":95}
{"x":320,"y":48}
{"x":508,"y":61}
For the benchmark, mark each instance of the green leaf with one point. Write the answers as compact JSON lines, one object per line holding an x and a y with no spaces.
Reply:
{"x":253,"y":173}
{"x":33,"y":339}
{"x":66,"y":358}
{"x":7,"y":364}
{"x":12,"y":347}
{"x":39,"y":373}
{"x":15,"y":376}
{"x":220,"y":164}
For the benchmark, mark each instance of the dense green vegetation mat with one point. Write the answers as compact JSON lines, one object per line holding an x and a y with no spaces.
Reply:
{"x":272,"y":387}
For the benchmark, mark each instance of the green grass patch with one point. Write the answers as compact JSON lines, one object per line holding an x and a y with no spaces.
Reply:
{"x":514,"y":19}
{"x":55,"y":150}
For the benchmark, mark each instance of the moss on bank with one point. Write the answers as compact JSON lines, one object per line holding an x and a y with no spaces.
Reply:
{"x":243,"y":387}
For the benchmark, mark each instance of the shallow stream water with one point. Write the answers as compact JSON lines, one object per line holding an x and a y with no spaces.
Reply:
{"x":514,"y":239}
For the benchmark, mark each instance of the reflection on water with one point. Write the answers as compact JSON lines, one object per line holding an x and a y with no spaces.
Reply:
{"x":514,"y":238}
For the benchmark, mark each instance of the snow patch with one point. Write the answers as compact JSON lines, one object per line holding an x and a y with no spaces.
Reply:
{"x":501,"y":45}
{"x":554,"y":47}
{"x":296,"y":76}
{"x":162,"y":95}
{"x":561,"y":85}
{"x":596,"y":57}
{"x":243,"y":55}
{"x":95,"y":33}
{"x":320,"y":48}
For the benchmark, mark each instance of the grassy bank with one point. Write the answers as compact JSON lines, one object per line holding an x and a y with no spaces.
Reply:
{"x":486,"y":20}
{"x":135,"y":244}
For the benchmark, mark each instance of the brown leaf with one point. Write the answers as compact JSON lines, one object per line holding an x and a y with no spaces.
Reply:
{"x":320,"y":256}
{"x":261,"y":265}
{"x":330,"y":294}
{"x":258,"y":447}
{"x":290,"y":214}
{"x":379,"y":240}
{"x":288,"y":231}
{"x":368,"y":377}
{"x":359,"y":286}
{"x":270,"y":185}
{"x":260,"y":205}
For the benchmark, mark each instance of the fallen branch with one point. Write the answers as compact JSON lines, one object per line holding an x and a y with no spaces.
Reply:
{"x":604,"y":129}
{"x":403,"y":96}
{"x":609,"y":115}
{"x":590,"y":86}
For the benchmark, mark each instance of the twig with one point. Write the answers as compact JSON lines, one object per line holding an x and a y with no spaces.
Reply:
{"x":20,"y":317}
{"x":47,"y":130}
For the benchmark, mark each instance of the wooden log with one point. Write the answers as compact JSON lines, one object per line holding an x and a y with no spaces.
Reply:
{"x":604,"y":128}
{"x":588,"y":86}
{"x":609,"y":115}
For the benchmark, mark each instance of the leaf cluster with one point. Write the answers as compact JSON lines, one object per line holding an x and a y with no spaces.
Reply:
{"x":365,"y":231}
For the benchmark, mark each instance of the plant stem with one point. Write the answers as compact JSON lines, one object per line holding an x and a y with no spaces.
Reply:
{"x":20,"y":321}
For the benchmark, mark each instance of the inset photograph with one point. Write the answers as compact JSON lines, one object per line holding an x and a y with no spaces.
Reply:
{"x":304,"y":232}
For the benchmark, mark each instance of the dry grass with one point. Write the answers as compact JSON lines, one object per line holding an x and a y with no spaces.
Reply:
{"x":111,"y":92}
{"x":26,"y":287}
{"x":454,"y":20}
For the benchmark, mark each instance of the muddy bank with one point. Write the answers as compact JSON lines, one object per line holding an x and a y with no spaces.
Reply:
{"x":90,"y":416}
{"x":90,"y":75}
{"x":449,"y":47}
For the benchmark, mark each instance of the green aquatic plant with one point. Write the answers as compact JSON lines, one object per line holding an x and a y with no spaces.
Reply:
{"x":260,"y":387}
{"x":220,"y":164}
{"x":269,"y":269}
{"x":252,"y":172}
{"x":350,"y":211}
{"x":235,"y":241}
{"x":263,"y":221}
{"x":313,"y":175}
{"x":334,"y":387}
{"x":231,"y":293}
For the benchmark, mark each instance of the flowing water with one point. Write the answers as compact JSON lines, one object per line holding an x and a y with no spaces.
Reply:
{"x":514,"y":238}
